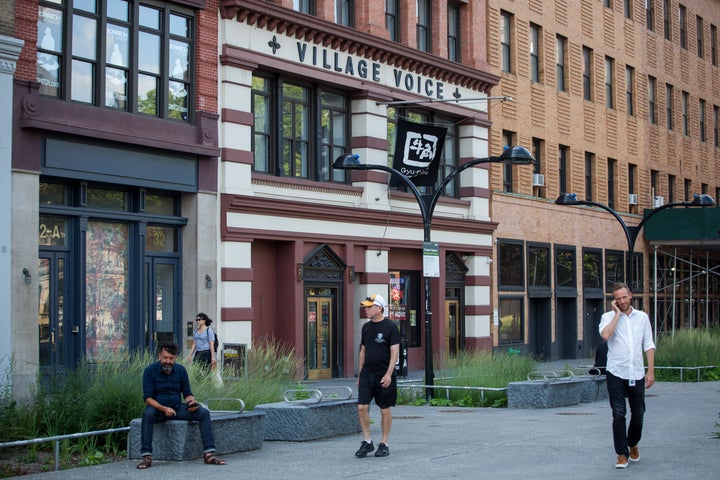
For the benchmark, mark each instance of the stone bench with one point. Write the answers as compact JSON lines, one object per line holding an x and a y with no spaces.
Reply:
{"x":546,"y":393}
{"x":595,"y":389}
{"x":299,"y":421}
{"x":179,"y":440}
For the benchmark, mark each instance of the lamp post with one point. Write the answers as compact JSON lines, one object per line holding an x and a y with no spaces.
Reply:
{"x":516,"y":155}
{"x":631,"y":233}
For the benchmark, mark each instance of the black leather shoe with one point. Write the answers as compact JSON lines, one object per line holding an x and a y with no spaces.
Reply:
{"x":365,"y":448}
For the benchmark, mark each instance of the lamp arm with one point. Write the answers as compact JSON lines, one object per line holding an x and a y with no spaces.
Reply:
{"x":451,"y":176}
{"x":628,"y":234}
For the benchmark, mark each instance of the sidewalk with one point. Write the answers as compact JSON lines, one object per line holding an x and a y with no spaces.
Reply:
{"x":447,"y":442}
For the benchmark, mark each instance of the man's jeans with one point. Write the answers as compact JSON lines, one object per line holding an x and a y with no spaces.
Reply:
{"x":151,"y":416}
{"x":618,"y":389}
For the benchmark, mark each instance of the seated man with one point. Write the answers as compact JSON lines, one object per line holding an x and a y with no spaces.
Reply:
{"x":163,"y":383}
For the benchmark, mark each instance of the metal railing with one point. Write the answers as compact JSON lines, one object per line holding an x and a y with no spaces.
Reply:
{"x":447,"y":389}
{"x":58,"y":438}
{"x":697,"y":369}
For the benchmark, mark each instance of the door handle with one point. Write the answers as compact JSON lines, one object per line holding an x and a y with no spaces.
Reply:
{"x":52,"y":340}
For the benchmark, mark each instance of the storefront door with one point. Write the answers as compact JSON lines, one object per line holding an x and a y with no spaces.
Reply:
{"x":452,"y":327}
{"x":318,"y":333}
{"x":52,"y":287}
{"x":163,"y":300}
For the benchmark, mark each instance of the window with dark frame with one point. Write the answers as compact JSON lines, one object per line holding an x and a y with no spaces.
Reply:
{"x":511,"y":328}
{"x":565,"y":269}
{"x":667,"y":19}
{"x":392,"y":19}
{"x":611,"y":174}
{"x":592,"y":269}
{"x":669,"y":106}
{"x":685,"y":111}
{"x":287,"y":148}
{"x":713,"y":45}
{"x":304,"y":6}
{"x":716,"y":125}
{"x":345,"y":12}
{"x":561,"y":60}
{"x":609,"y":82}
{"x":587,"y":73}
{"x":589,"y":169}
{"x":535,"y":49}
{"x":672,"y":181}
{"x":88,"y":55}
{"x":652,"y":100}
{"x":508,"y":140}
{"x":614,"y":268}
{"x":650,"y":15}
{"x":424,"y":24}
{"x":538,"y":268}
{"x":506,"y":34}
{"x":563,"y":151}
{"x":683,"y":26}
{"x":701,"y":120}
{"x":700,"y":36}
{"x":630,"y":90}
{"x":453,"y":31}
{"x":510,"y":265}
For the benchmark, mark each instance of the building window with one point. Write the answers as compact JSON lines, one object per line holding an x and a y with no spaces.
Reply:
{"x":287,"y":148}
{"x":611,"y":174}
{"x":607,"y":4}
{"x":510,"y":265}
{"x":448,"y":160}
{"x":716,"y":126}
{"x":565,"y":276}
{"x":632,"y":179}
{"x":650,"y":14}
{"x":592,"y":269}
{"x":562,"y":167}
{"x":538,"y":146}
{"x":667,"y":19}
{"x":589,"y":167}
{"x":609,"y":82}
{"x":538,"y":257}
{"x":700,"y":36}
{"x":453,"y":28}
{"x":392,"y":19}
{"x":628,"y":9}
{"x":669,"y":101}
{"x":688,"y":190}
{"x":671,"y":188}
{"x":511,"y":328}
{"x":685,"y":99}
{"x":345,"y":12}
{"x":630,"y":90}
{"x":535,"y":38}
{"x":654,"y":174}
{"x":424,"y":25}
{"x":587,"y":73}
{"x":506,"y":34}
{"x":404,"y":304}
{"x":88,"y":56}
{"x":683,"y":27}
{"x":614,"y":268}
{"x":561,"y":59}
{"x":701,"y":125}
{"x":713,"y":45}
{"x":304,"y":6}
{"x":508,"y":140}
{"x":652,"y":100}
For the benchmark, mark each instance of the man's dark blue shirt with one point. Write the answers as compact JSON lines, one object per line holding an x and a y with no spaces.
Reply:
{"x":166,"y":388}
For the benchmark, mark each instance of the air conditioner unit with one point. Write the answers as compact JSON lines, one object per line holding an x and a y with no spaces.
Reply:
{"x":538,"y":180}
{"x":632,"y":199}
{"x":658,"y":201}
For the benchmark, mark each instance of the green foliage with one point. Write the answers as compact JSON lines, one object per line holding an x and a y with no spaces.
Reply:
{"x":477,"y":369}
{"x":688,"y":348}
{"x":108,"y":395}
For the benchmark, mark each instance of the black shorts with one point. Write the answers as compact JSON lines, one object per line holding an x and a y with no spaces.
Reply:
{"x":369,"y":389}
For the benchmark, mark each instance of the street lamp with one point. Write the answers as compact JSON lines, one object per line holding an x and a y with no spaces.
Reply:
{"x":516,"y":155}
{"x":631,"y":233}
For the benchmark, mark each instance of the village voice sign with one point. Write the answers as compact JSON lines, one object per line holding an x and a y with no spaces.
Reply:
{"x":318,"y":56}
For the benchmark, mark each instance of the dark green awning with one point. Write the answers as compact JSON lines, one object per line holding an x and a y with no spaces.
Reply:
{"x":685,"y":226}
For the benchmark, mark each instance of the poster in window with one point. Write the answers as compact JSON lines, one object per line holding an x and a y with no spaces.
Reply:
{"x":117,"y":46}
{"x":178,"y":60}
{"x":398,"y":307}
{"x":49,"y":40}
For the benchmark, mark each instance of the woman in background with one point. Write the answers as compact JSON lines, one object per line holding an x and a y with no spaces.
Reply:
{"x":202,"y":351}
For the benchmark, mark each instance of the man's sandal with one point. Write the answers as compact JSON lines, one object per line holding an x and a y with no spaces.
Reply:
{"x":146,"y":463}
{"x":211,"y":459}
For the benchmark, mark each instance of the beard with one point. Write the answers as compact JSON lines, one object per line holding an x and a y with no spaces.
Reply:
{"x":167,"y":368}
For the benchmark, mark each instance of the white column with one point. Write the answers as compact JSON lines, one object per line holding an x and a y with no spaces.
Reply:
{"x":9,"y":52}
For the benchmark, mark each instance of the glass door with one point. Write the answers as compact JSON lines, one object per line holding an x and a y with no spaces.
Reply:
{"x":318,"y":334}
{"x":452,"y":327}
{"x":52,"y":287}
{"x":162,"y":301}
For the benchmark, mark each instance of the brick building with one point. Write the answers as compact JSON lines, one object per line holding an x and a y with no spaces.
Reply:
{"x":620,"y":103}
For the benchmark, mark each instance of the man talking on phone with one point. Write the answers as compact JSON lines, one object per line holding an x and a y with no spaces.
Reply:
{"x":628,"y":335}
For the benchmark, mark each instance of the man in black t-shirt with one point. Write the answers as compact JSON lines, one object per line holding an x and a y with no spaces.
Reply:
{"x":379,"y":349}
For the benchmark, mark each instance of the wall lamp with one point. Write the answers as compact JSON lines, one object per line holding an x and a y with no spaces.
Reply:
{"x":208,"y":281}
{"x":26,"y":276}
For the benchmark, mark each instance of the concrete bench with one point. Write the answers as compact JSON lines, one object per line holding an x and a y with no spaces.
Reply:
{"x":179,"y":440}
{"x":299,"y":421}
{"x":547,"y":390}
{"x":595,"y":389}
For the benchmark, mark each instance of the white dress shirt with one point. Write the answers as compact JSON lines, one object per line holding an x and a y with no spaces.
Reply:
{"x":631,"y":338}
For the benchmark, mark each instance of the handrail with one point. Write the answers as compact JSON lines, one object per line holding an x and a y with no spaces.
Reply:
{"x":447,"y":388}
{"x":58,"y":438}
{"x":687,"y":368}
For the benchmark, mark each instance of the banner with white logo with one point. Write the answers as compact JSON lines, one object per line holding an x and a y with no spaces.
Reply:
{"x":418,"y":149}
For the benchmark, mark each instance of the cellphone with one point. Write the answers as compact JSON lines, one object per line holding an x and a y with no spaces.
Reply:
{"x":193,"y":405}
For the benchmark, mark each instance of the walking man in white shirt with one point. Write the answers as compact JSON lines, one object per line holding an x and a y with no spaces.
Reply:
{"x":628,"y":335}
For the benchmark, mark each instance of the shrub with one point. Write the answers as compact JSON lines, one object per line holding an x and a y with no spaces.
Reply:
{"x":688,"y":348}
